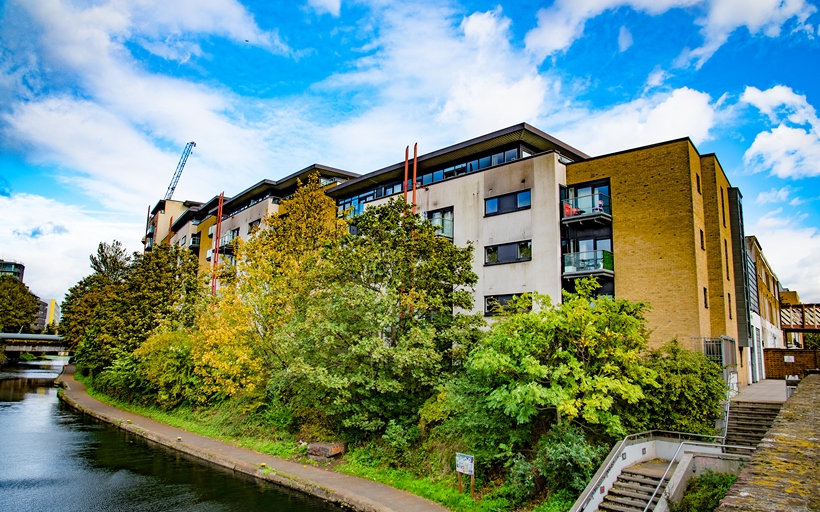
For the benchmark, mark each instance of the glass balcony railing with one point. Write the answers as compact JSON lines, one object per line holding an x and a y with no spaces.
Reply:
{"x":444,"y":227}
{"x":589,"y":261}
{"x":227,"y":238}
{"x":194,"y":241}
{"x":586,"y":205}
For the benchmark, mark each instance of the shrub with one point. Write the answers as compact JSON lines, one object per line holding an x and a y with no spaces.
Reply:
{"x":703,"y":494}
{"x":566,"y":459}
{"x":165,"y":362}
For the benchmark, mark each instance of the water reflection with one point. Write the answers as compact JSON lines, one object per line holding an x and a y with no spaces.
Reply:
{"x":56,"y":459}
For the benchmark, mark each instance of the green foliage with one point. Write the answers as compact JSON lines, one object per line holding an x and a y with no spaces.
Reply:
{"x":581,"y":359}
{"x":560,"y":501}
{"x":165,"y":363}
{"x":26,"y":357}
{"x":377,"y":334}
{"x":18,"y":306}
{"x":703,"y":494}
{"x":811,"y":340}
{"x":115,"y":309}
{"x":122,"y":378}
{"x":687,"y":397}
{"x":566,"y":459}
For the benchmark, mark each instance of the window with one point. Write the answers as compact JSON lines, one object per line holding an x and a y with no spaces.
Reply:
{"x":726,"y":255}
{"x":182,"y":242}
{"x":443,"y":221}
{"x":494,"y":304}
{"x":507,"y":203}
{"x":697,"y":182}
{"x":253,"y":225}
{"x":722,"y":207}
{"x":702,"y":241}
{"x":508,"y":253}
{"x":705,"y":298}
{"x":730,"y":306}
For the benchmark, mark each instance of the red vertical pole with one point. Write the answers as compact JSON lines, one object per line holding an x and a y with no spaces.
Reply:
{"x":217,"y":235}
{"x":415,"y":166}
{"x":170,"y":230}
{"x":404,"y":185}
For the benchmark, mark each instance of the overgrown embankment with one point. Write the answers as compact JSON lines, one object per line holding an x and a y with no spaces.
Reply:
{"x":320,"y":334}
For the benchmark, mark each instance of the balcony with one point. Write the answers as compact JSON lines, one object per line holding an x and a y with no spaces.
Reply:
{"x":149,"y":244}
{"x":444,"y":227}
{"x":151,"y":230}
{"x":226,"y":239}
{"x":593,"y":209}
{"x":209,"y":254}
{"x":590,"y":263}
{"x":211,"y":231}
{"x":193,"y":243}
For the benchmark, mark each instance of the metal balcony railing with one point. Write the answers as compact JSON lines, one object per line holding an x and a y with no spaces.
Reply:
{"x":227,"y":238}
{"x":444,"y":227}
{"x":593,"y":204}
{"x":588,"y":262}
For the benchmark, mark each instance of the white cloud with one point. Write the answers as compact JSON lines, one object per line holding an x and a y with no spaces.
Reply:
{"x":723,"y":17}
{"x":792,"y":148}
{"x":332,"y":7}
{"x":54,"y":240}
{"x":561,"y":24}
{"x":624,"y":39}
{"x":775,"y":195}
{"x":664,"y":116}
{"x":791,"y":248}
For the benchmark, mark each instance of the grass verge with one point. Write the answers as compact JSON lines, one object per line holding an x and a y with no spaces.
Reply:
{"x":227,"y":423}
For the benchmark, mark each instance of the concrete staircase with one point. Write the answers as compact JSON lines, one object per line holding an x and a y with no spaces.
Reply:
{"x":631,"y":492}
{"x":749,"y":422}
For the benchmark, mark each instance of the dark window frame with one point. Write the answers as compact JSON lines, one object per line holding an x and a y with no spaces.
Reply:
{"x":518,"y":259}
{"x":498,"y":202}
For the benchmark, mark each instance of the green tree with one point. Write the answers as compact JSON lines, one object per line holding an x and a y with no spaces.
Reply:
{"x":159,"y":289}
{"x":110,"y":266}
{"x":18,"y":306}
{"x":811,"y":340}
{"x":377,"y":332}
{"x":687,"y":394}
{"x":578,"y":361}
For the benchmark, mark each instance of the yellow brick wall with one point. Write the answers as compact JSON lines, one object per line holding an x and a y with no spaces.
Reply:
{"x":657,"y":217}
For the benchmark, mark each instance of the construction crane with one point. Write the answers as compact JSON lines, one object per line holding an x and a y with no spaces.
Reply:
{"x":181,"y":165}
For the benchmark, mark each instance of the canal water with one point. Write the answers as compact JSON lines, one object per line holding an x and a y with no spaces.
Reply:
{"x":53,"y":458}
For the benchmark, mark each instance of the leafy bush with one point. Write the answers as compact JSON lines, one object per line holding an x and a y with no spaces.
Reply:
{"x":122,"y":379}
{"x":703,"y":494}
{"x":688,"y":395}
{"x":566,"y":459}
{"x":559,"y":501}
{"x":165,"y":362}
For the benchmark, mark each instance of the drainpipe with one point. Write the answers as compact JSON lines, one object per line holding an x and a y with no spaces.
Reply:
{"x":404,"y":184}
{"x":415,"y":166}
{"x":217,"y":235}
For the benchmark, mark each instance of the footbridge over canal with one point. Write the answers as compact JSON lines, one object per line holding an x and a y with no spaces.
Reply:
{"x":15,"y":344}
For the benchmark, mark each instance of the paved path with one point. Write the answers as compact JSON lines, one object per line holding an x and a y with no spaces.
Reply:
{"x":346,"y":490}
{"x":769,"y":390}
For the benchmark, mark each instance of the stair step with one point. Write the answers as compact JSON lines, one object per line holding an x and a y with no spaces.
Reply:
{"x":618,"y":508}
{"x":634,"y":487}
{"x":635,"y":495}
{"x":629,"y":502}
{"x":641,"y":480}
{"x":648,"y":473}
{"x":748,"y":426}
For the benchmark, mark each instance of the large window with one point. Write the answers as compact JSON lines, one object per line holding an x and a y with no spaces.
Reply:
{"x":508,"y":253}
{"x":507,"y":203}
{"x":496,"y":304}
{"x":443,"y":221}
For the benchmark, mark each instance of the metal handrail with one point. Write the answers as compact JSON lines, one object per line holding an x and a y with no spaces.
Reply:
{"x":616,"y":452}
{"x":675,"y":456}
{"x":728,"y":410}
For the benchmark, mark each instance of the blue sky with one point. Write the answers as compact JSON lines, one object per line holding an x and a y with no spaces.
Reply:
{"x":98,"y":98}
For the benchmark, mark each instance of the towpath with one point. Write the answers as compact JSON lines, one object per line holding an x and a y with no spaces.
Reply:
{"x":345,"y":490}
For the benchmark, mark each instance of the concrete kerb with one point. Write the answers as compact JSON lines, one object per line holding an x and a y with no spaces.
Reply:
{"x":338,"y":494}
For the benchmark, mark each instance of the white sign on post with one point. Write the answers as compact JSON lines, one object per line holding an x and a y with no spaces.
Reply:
{"x":465,"y":463}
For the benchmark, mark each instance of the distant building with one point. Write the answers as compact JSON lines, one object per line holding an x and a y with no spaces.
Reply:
{"x":790,"y":298}
{"x":12,"y":268}
{"x":53,"y":312}
{"x":42,"y":316}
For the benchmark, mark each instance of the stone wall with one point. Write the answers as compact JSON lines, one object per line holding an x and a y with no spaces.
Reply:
{"x":783,"y":473}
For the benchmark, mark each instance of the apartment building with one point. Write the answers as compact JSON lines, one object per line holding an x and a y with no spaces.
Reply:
{"x":12,"y":268}
{"x":194,"y":226}
{"x":502,"y":191}
{"x":791,"y":298}
{"x":659,"y":224}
